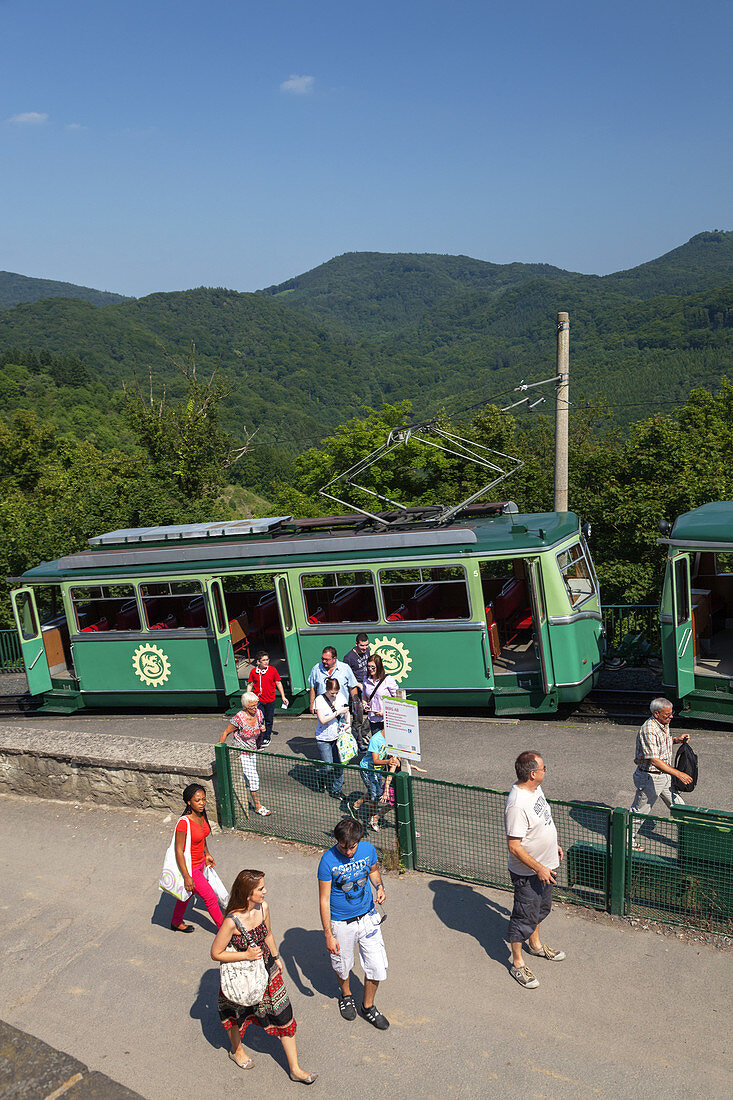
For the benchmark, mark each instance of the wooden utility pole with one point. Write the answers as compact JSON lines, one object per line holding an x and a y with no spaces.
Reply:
{"x":561,"y":413}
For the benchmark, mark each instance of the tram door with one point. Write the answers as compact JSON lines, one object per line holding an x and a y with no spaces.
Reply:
{"x":541,"y":630}
{"x":683,"y":625}
{"x":290,"y":636}
{"x":31,"y":641}
{"x":223,"y":637}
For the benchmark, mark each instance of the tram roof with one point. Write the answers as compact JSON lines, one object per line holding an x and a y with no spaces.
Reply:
{"x":709,"y":526}
{"x":286,"y":543}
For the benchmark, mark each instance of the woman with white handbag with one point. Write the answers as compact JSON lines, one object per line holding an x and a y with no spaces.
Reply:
{"x":252,"y":989}
{"x":193,"y":859}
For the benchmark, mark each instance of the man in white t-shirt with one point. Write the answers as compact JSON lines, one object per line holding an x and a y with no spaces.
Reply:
{"x":534,"y":856}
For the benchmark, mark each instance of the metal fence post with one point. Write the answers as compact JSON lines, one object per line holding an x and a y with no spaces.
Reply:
{"x":618,"y":839}
{"x":405,"y":819}
{"x":224,"y":785}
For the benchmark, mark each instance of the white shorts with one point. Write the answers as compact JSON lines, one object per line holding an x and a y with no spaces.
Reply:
{"x":372,"y":953}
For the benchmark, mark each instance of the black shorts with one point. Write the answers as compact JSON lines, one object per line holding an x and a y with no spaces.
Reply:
{"x":532,"y":903}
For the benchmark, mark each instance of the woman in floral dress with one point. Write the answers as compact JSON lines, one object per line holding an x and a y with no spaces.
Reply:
{"x":274,"y":1012}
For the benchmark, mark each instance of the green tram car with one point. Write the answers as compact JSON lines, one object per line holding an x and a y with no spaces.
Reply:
{"x":697,"y":612}
{"x":496,"y":610}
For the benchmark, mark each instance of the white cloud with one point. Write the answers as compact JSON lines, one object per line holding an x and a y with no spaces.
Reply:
{"x":298,"y":85}
{"x":75,"y":126}
{"x":29,"y":118}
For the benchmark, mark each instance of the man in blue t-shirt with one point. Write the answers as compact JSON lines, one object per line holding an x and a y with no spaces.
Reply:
{"x":346,"y":875}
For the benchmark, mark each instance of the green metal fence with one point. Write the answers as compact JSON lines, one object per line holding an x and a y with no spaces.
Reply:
{"x":684,"y":875}
{"x":632,"y":629}
{"x":459,"y":831}
{"x":294,"y":789}
{"x":11,"y":659}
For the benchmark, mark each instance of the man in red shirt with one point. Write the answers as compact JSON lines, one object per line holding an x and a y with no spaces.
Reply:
{"x":264,"y":679}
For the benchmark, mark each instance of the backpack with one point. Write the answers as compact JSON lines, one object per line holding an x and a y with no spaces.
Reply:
{"x":685,"y":761}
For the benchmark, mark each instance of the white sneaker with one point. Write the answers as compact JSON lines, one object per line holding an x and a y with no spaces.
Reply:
{"x":374,"y":823}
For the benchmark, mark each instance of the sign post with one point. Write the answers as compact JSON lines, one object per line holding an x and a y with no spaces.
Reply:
{"x":402,"y":728}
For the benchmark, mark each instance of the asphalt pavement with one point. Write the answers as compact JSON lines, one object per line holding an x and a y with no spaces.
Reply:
{"x":91,"y":968}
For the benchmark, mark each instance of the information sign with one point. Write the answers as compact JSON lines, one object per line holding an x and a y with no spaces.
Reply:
{"x":402,"y":728}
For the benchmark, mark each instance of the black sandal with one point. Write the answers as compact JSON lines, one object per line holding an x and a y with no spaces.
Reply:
{"x":182,"y":928}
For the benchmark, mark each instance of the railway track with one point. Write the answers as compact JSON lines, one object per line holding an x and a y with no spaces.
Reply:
{"x":18,"y":705}
{"x":613,"y":704}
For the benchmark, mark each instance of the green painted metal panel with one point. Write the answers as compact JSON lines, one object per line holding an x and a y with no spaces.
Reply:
{"x":31,"y":641}
{"x":225,"y":649}
{"x":150,"y":664}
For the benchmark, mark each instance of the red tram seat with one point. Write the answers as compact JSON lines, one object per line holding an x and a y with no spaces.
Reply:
{"x":265,"y":621}
{"x":171,"y":623}
{"x":512,"y":611}
{"x":103,"y":624}
{"x":493,"y":629}
{"x":127,"y":617}
{"x":195,"y":614}
{"x":346,"y":606}
{"x":426,"y":599}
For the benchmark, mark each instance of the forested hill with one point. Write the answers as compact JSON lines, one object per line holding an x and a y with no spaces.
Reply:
{"x":377,"y":294}
{"x":293,"y":380}
{"x":15,"y":289}
{"x":453,"y":332}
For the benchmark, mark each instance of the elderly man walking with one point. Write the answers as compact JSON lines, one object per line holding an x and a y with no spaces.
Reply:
{"x":653,"y":759}
{"x":534,"y":856}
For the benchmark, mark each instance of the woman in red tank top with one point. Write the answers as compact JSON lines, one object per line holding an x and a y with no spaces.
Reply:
{"x":195,"y":822}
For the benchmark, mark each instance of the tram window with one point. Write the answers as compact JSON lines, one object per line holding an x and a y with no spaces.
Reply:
{"x":285,"y":603}
{"x":682,"y":592}
{"x":48,"y":602}
{"x":99,"y":608}
{"x":723,"y":563}
{"x":339,"y":597}
{"x":26,"y":616}
{"x":576,"y":573}
{"x":174,"y":605}
{"x":221,"y":623}
{"x":437,"y":592}
{"x":250,"y":600}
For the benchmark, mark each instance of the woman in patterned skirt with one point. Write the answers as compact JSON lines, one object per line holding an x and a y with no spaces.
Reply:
{"x":247,"y":904}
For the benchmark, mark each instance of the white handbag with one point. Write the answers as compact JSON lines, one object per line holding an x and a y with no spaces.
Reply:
{"x":171,"y":879}
{"x":244,"y":981}
{"x":217,"y":885}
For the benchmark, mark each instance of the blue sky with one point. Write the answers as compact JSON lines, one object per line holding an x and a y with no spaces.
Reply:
{"x":164,"y":145}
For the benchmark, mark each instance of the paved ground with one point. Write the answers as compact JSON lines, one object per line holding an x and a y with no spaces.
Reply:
{"x":91,"y":968}
{"x":586,"y":761}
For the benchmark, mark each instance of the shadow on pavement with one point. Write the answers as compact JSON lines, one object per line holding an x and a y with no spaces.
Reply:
{"x":205,"y":1009}
{"x":460,"y":907}
{"x":163,"y":914}
{"x":303,"y":952}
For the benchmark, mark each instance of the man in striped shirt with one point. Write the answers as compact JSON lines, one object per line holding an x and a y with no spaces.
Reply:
{"x":653,"y":759}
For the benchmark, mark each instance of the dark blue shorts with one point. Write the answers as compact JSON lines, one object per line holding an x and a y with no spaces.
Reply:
{"x":532,"y":903}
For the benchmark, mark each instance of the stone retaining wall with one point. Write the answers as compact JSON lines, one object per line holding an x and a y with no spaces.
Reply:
{"x":110,"y":771}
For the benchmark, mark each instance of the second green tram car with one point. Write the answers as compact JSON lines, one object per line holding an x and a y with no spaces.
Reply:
{"x":497,"y":610}
{"x":697,"y":612}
